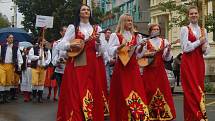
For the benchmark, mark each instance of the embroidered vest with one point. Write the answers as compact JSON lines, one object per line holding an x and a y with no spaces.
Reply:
{"x":34,"y":64}
{"x":14,"y":53}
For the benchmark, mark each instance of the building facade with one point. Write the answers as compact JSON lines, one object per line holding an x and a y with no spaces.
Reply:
{"x":137,"y":8}
{"x":10,"y":10}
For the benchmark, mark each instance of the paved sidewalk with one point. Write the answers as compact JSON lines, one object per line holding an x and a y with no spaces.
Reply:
{"x":179,"y":90}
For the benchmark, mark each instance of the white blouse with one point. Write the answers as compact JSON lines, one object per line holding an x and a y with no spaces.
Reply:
{"x":114,"y":42}
{"x":167,"y":56}
{"x":85,"y":28}
{"x":105,"y":46}
{"x":43,"y":62}
{"x":9,"y":53}
{"x":188,"y":46}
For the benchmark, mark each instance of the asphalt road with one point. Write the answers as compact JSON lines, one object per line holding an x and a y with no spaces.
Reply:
{"x":20,"y":111}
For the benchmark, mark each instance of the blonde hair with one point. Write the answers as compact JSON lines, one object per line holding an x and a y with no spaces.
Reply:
{"x":120,"y":28}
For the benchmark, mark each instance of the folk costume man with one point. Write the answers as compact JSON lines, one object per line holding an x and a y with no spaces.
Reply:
{"x":10,"y":62}
{"x":40,"y":58}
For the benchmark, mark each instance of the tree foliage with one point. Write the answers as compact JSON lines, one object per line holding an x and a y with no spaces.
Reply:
{"x":181,"y":12}
{"x":3,"y":21}
{"x":63,"y":12}
{"x":97,"y":13}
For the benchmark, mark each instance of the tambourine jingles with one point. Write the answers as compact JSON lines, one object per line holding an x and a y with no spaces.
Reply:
{"x":75,"y":52}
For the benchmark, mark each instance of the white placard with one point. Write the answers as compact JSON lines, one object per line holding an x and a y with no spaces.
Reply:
{"x":44,"y":21}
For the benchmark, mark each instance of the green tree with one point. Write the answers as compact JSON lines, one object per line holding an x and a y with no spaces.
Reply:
{"x":97,"y":13}
{"x":3,"y":21}
{"x":62,"y":10}
{"x":181,"y":10}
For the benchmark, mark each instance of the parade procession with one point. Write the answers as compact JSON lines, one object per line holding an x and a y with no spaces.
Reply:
{"x":107,"y":60}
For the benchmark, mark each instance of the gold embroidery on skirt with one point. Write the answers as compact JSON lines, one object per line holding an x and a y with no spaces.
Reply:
{"x":70,"y":118}
{"x":88,"y":106}
{"x":202,"y":112}
{"x":106,"y":108}
{"x":158,"y":108}
{"x":138,"y":110}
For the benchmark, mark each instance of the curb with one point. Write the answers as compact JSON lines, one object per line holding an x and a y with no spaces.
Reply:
{"x":211,"y":94}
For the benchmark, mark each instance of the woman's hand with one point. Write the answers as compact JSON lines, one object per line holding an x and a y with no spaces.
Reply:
{"x":204,"y":47}
{"x":202,"y":39}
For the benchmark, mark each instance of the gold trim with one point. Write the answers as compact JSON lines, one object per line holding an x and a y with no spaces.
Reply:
{"x":158,"y":107}
{"x":88,"y":106}
{"x":138,"y":110}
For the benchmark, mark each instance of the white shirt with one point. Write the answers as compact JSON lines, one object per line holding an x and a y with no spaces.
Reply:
{"x":9,"y":53}
{"x":157,"y":44}
{"x":45,"y":61}
{"x":114,"y":41}
{"x":188,"y":46}
{"x":85,"y":28}
{"x":105,"y":46}
{"x":56,"y":55}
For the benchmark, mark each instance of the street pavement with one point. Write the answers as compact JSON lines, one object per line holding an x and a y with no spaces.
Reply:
{"x":20,"y":111}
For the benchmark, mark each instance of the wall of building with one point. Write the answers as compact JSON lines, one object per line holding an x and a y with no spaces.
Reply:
{"x":9,"y":9}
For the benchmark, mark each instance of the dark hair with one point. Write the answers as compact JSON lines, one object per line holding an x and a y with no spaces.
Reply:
{"x":192,"y":7}
{"x":77,"y":19}
{"x":9,"y":35}
{"x":61,"y":28}
{"x":108,"y":29}
{"x":179,"y":56}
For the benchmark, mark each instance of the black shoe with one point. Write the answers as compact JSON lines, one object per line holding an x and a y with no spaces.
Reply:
{"x":40,"y":100}
{"x":55,"y":99}
{"x":34,"y":100}
{"x":5,"y":97}
{"x":40,"y":96}
{"x":13,"y":98}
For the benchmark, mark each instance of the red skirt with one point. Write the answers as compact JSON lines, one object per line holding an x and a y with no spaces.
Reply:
{"x":158,"y":93}
{"x":127,"y":94}
{"x":81,"y":92}
{"x":192,"y":77}
{"x":48,"y":81}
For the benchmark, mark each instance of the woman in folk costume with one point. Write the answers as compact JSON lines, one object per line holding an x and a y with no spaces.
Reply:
{"x":127,"y":95}
{"x":26,"y":84}
{"x":81,"y":97}
{"x":158,"y":92}
{"x":50,"y":80}
{"x":194,"y":43}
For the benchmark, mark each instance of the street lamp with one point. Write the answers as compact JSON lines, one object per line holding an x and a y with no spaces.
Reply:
{"x":14,"y":16}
